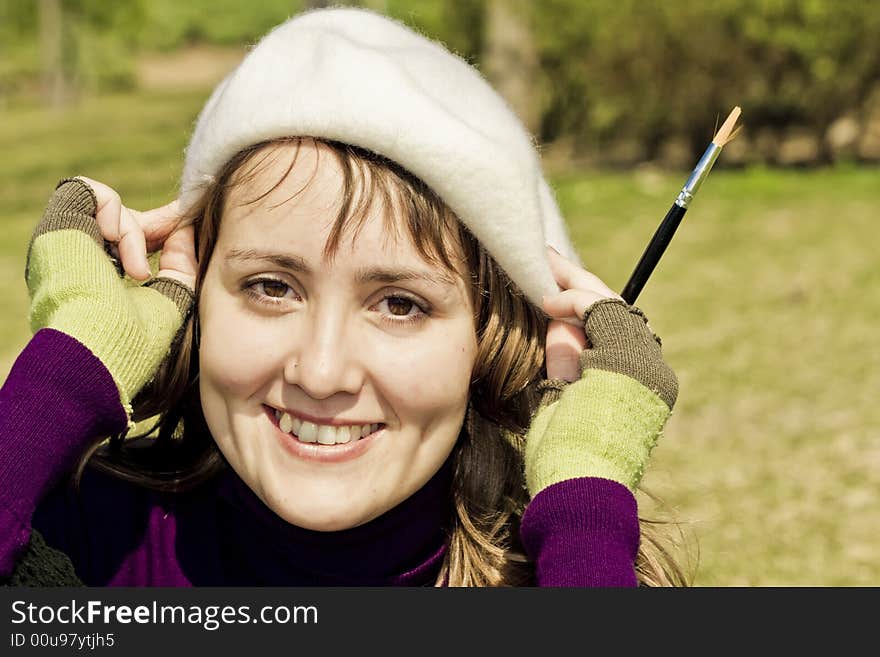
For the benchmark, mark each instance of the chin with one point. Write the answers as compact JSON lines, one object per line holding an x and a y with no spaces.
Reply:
{"x":328,"y":524}
{"x":321,"y":519}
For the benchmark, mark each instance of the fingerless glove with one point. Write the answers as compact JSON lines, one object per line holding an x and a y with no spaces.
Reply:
{"x":76,"y":288}
{"x":606,"y":423}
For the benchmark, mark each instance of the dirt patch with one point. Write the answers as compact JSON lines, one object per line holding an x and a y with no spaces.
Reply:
{"x":189,"y":68}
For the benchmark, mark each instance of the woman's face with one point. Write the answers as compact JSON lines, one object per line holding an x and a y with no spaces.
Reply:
{"x":372,"y":351}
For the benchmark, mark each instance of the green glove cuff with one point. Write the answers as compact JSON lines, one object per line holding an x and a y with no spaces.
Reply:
{"x":606,"y":423}
{"x":76,"y":288}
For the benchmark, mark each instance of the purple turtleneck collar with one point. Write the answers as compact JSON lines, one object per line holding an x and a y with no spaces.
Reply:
{"x":403,"y":547}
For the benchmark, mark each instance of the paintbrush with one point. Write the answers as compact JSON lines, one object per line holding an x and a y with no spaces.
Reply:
{"x":670,"y":222}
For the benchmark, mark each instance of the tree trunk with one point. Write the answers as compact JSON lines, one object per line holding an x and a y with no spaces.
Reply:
{"x":51,"y":51}
{"x":510,"y":58}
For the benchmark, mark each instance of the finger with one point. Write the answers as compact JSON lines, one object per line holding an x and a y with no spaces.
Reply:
{"x":122,"y":230}
{"x":133,"y":249}
{"x":119,"y":227}
{"x":178,"y":258}
{"x":159,"y":223}
{"x":109,"y":206}
{"x":572,"y":303}
{"x":570,"y":275}
{"x":563,"y":350}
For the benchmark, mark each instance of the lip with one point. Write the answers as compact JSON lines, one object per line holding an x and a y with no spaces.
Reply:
{"x":315,"y":452}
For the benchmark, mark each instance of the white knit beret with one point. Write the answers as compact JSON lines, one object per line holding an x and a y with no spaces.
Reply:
{"x":357,"y":77}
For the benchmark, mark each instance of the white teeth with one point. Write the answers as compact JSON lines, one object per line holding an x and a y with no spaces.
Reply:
{"x":309,"y":432}
{"x":285,"y":422}
{"x":327,"y":435}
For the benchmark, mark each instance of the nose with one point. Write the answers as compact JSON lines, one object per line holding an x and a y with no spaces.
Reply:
{"x":324,"y":360}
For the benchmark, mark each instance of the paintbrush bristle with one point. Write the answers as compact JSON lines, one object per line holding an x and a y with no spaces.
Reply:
{"x":726,"y":133}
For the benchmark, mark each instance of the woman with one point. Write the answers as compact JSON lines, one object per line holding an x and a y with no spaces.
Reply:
{"x":374,"y":387}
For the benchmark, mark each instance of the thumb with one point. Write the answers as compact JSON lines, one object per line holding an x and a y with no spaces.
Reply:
{"x":178,"y":257}
{"x":563,"y":350}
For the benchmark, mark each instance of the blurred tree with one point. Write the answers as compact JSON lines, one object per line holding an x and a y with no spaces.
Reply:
{"x":169,"y":24}
{"x":458,"y":24}
{"x":510,"y":59}
{"x":20,"y":57}
{"x":595,"y":74}
{"x":100,"y":42}
{"x":645,"y":70}
{"x":51,"y":49}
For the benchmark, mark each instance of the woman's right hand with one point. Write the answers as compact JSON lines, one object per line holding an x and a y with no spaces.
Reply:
{"x":76,"y":289}
{"x":132,"y":235}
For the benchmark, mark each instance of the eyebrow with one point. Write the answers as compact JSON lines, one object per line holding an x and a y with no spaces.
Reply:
{"x":371,"y":275}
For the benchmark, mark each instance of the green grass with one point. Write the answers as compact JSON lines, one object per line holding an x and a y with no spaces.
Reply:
{"x":766,"y":301}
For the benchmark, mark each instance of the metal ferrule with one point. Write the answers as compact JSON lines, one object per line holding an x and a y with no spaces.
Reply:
{"x":698,"y":175}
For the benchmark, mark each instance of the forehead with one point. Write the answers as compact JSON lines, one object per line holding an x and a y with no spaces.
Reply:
{"x":296,"y":193}
{"x":284,"y":176}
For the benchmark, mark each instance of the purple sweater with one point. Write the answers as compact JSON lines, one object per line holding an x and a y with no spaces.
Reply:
{"x":58,"y":396}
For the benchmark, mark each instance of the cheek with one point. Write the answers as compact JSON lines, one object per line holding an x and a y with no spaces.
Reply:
{"x":433,"y":373}
{"x":235,"y":352}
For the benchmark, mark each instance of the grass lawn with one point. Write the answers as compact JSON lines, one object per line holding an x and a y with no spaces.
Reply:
{"x":765,"y":300}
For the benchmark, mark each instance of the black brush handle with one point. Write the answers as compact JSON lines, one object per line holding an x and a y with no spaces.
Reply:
{"x":652,"y":253}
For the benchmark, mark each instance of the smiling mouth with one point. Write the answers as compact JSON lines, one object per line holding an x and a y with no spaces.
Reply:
{"x":321,"y":434}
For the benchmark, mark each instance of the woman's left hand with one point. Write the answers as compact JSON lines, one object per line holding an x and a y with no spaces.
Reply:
{"x":567,"y":339}
{"x":608,"y":391}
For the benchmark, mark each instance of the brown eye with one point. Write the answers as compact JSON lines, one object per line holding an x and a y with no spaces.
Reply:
{"x":399,"y":306}
{"x":274,"y":289}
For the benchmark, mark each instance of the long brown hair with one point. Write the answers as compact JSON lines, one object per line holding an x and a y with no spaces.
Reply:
{"x":489,"y":494}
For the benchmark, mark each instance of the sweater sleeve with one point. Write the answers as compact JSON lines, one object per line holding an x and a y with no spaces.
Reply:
{"x":583,"y":532}
{"x":586,"y":450}
{"x":57,"y":398}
